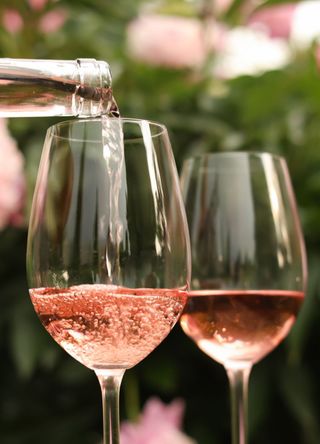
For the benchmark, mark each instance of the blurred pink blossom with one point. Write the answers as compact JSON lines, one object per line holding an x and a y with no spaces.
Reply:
{"x":276,"y":20}
{"x":268,"y":42}
{"x":12,"y":181}
{"x":12,"y":21}
{"x":297,"y":22}
{"x":37,"y":5}
{"x":159,"y":424}
{"x":221,"y":6}
{"x":317,"y":56}
{"x":52,"y":21}
{"x":180,"y":43}
{"x":175,"y":42}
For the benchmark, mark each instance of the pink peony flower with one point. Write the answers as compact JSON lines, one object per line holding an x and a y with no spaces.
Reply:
{"x":159,"y":424}
{"x":317,"y":56}
{"x":37,"y":5}
{"x":52,"y":21}
{"x":12,"y":21}
{"x":276,"y":20}
{"x":12,"y":181}
{"x":170,"y":41}
{"x":221,"y":6}
{"x":297,"y":22}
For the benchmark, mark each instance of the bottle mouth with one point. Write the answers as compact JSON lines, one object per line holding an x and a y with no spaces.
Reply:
{"x":94,"y":93}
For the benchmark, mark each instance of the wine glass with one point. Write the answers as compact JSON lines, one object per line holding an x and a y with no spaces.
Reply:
{"x":248,"y":263}
{"x":108,"y":255}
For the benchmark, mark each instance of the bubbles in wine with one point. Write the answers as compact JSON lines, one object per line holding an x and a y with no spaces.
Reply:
{"x":104,"y":326}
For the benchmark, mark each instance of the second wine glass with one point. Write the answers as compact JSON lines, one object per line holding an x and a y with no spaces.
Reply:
{"x":248,"y":263}
{"x":108,"y":254}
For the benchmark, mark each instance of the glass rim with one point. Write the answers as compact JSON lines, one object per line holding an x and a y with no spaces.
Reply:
{"x":257,"y":154}
{"x":79,"y":121}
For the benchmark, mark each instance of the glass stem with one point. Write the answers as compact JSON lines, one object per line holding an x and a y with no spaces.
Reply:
{"x":110,"y":382}
{"x":238,"y":379}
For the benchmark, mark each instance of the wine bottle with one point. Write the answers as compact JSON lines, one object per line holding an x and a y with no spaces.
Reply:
{"x":36,"y":88}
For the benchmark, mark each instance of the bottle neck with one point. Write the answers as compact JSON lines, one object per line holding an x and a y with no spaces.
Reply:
{"x":55,"y":88}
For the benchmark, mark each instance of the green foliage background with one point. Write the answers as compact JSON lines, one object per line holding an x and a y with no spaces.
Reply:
{"x":47,"y":396}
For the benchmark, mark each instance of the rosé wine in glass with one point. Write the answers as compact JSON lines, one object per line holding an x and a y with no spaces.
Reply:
{"x":240,"y":326}
{"x":108,"y":255}
{"x":248,"y":263}
{"x":104,"y":326}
